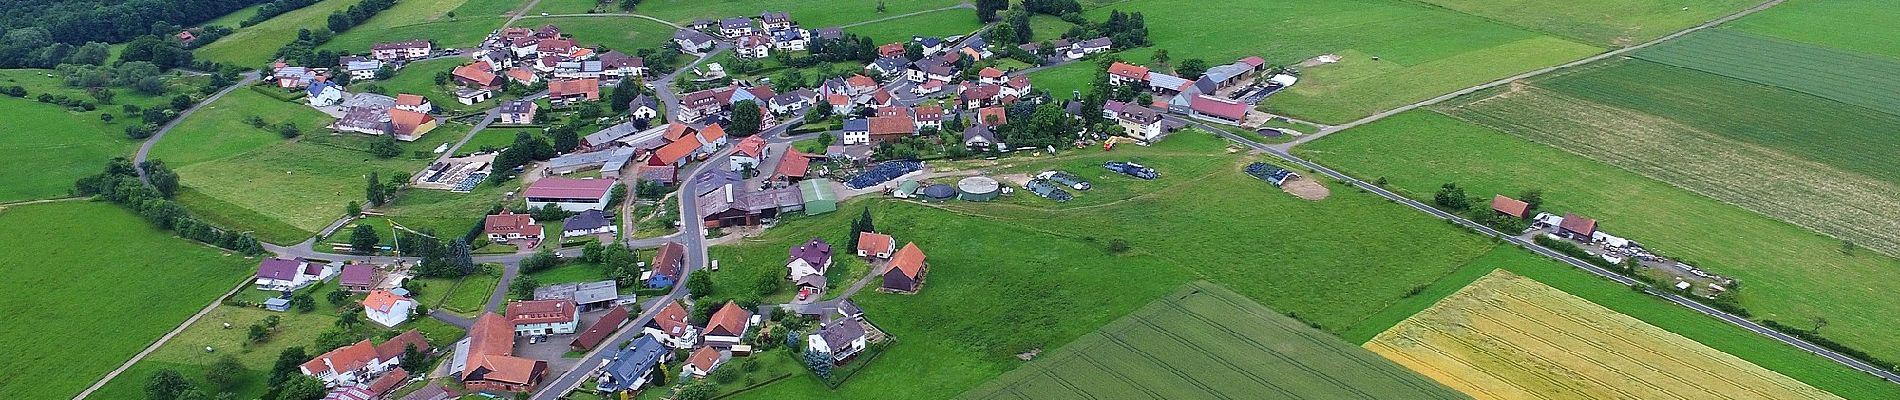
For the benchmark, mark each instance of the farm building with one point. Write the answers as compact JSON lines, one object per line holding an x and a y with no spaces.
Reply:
{"x":1577,"y":227}
{"x":570,"y":194}
{"x":485,"y":359}
{"x":907,"y":270}
{"x":977,"y":188}
{"x":544,"y":317}
{"x":586,"y":295}
{"x":608,"y":162}
{"x":1508,"y":206}
{"x":818,"y":196}
{"x":937,"y":192}
{"x":601,"y":328}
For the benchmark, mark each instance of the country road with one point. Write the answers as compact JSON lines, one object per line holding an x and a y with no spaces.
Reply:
{"x":146,"y":148}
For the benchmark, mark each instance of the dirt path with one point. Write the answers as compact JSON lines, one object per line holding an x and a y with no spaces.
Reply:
{"x":160,"y":342}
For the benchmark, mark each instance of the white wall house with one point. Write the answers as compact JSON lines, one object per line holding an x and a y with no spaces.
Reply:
{"x":388,"y":309}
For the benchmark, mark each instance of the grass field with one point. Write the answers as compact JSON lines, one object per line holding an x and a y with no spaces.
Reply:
{"x":1047,"y":27}
{"x":1204,"y":341}
{"x":1509,"y":337}
{"x":1857,"y":25}
{"x":253,"y":46}
{"x":946,"y":23}
{"x":421,"y":19}
{"x":1612,"y":23}
{"x":622,"y":33}
{"x":235,"y":17}
{"x":568,"y":6}
{"x":59,"y":275}
{"x":811,"y":14}
{"x":1360,"y":85}
{"x":46,"y":147}
{"x":218,"y":130}
{"x":1852,"y":78}
{"x":466,"y":298}
{"x":1800,"y":277}
{"x":1791,"y":156}
{"x":419,"y":78}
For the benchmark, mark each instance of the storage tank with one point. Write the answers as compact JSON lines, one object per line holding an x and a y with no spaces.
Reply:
{"x":978,"y":188}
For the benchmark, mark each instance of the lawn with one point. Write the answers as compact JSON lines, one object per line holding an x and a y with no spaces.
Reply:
{"x":945,"y":23}
{"x":1251,"y":351}
{"x":218,"y":131}
{"x":571,"y":272}
{"x":1847,"y":77}
{"x":253,"y":46}
{"x":46,"y":147}
{"x":1418,"y":151}
{"x":1362,"y":84}
{"x":420,"y":19}
{"x":811,"y":14}
{"x":622,"y":33}
{"x":1064,"y":80}
{"x":467,"y":297}
{"x":235,"y":18}
{"x":1864,"y":26}
{"x":60,"y":276}
{"x":1047,"y":27}
{"x":495,"y":139}
{"x":1833,"y":167}
{"x":1508,"y":337}
{"x":570,"y":6}
{"x":1609,"y":23}
{"x":419,"y":78}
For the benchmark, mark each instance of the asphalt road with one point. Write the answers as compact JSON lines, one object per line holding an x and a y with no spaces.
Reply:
{"x":146,"y":148}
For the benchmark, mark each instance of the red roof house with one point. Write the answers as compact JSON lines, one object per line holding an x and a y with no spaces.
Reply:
{"x":1509,"y":206}
{"x":906,"y":273}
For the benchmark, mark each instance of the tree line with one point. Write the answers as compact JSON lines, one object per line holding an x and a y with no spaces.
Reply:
{"x":119,"y":183}
{"x":112,"y":21}
{"x":303,"y":51}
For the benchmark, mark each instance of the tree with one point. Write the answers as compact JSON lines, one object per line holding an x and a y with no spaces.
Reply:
{"x":161,"y":177}
{"x":1191,"y":68}
{"x":986,"y":9}
{"x":1452,"y":197}
{"x":301,"y":387}
{"x":338,"y":297}
{"x":166,"y":384}
{"x":628,"y":5}
{"x":700,"y":285}
{"x":819,"y":362}
{"x":181,"y":102}
{"x":374,"y":191}
{"x":353,"y":209}
{"x":257,"y":333}
{"x":92,"y":53}
{"x":383,"y":147}
{"x":524,"y":286}
{"x":1847,"y":247}
{"x":913,"y":51}
{"x":593,"y":252}
{"x":304,"y":302}
{"x":1533,"y":198}
{"x":347,"y":320}
{"x":861,"y":225}
{"x":413,"y":358}
{"x":700,"y":390}
{"x":103,"y":95}
{"x":363,"y":239}
{"x":226,"y":373}
{"x":1160,"y":57}
{"x":565,"y":138}
{"x":1818,"y":323}
{"x":542,"y":260}
{"x":288,"y":361}
{"x":105,"y":117}
{"x":745,"y":119}
{"x":822,"y":109}
{"x":880,"y":6}
{"x":289,"y":130}
{"x":460,"y":258}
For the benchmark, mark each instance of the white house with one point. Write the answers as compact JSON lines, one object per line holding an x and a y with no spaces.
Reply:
{"x":856,"y":131}
{"x":843,"y":339}
{"x":282,"y":274}
{"x":323,"y":93}
{"x":727,"y":326}
{"x":360,"y":362}
{"x":590,"y":222}
{"x":544,"y":317}
{"x":671,"y":328}
{"x":570,"y":194}
{"x":387,"y":308}
{"x":703,"y":362}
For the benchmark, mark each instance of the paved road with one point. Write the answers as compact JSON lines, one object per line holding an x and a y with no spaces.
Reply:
{"x":146,"y":148}
{"x":160,"y":342}
{"x":1573,"y":261}
{"x":1448,"y":96}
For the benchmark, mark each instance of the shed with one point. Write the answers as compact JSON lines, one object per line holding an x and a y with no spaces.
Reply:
{"x":977,"y":188}
{"x":818,"y":196}
{"x":905,"y":189}
{"x":278,"y":304}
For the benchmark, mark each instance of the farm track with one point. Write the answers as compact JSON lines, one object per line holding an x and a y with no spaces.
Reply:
{"x":1250,"y":342}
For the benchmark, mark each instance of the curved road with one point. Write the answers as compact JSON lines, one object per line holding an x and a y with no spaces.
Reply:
{"x":146,"y":148}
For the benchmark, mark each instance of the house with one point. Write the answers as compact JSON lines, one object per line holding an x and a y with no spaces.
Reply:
{"x":842,"y":339}
{"x":632,"y":367}
{"x":675,"y":153}
{"x":692,"y":41}
{"x":793,"y":101}
{"x":1222,"y":76}
{"x":727,"y":325}
{"x":372,"y":390}
{"x":357,"y":277}
{"x":361,"y":361}
{"x":790,"y":40}
{"x":1510,"y":207}
{"x":907,"y":270}
{"x":928,"y":88}
{"x":522,"y":76}
{"x":185,"y":36}
{"x":485,"y":361}
{"x":410,"y":125}
{"x":859,"y":85}
{"x":1167,"y":85}
{"x":1207,"y":107}
{"x":747,"y":154}
{"x":886,"y":66}
{"x":891,"y":128}
{"x":590,"y":222}
{"x":1139,"y":122}
{"x":287,"y":275}
{"x":775,"y":20}
{"x":544,"y":317}
{"x":698,"y":105}
{"x":810,"y":258}
{"x":991,"y":75}
{"x":892,"y":111}
{"x":364,"y":120}
{"x":730,"y":205}
{"x":792,"y":167}
{"x":556,"y":47}
{"x":1120,"y":73}
{"x":930,"y":44}
{"x":1091,"y":46}
{"x":702,"y":24}
{"x":616,"y":66}
{"x":398,"y":51}
{"x":670,"y":327}
{"x":579,"y":69}
{"x":570,"y":194}
{"x":979,"y":137}
{"x":668,"y":263}
{"x":566,"y":92}
{"x":518,"y":112}
{"x":293,"y":77}
{"x":873,"y":245}
{"x":930,"y":69}
{"x":323,"y":93}
{"x":753,"y":46}
{"x":363,"y":70}
{"x":735,"y":27}
{"x":1577,"y":227}
{"x":643,"y":107}
{"x":471,"y":96}
{"x":992,"y":116}
{"x":891,"y":50}
{"x":480,"y":74}
{"x":703,"y":362}
{"x":386,"y":308}
{"x":278,"y":304}
{"x":507,"y":226}
{"x":1017,"y":86}
{"x":856,"y":131}
{"x":974,"y":95}
{"x":930,"y":116}
{"x":414,"y":103}
{"x":827,"y":34}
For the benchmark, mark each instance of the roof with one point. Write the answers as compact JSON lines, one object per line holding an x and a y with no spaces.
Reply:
{"x":357,"y":275}
{"x":491,"y":343}
{"x":406,"y":122}
{"x":602,"y":328}
{"x":704,"y":358}
{"x":382,"y":300}
{"x":569,"y":188}
{"x":616,"y":59}
{"x":892,"y":126}
{"x":754,"y":40}
{"x":857,"y":125}
{"x":873,"y":242}
{"x":279,"y":269}
{"x":479,"y":72}
{"x":909,"y":260}
{"x":586,"y":221}
{"x":736,"y":23}
{"x":979,"y":131}
{"x":793,"y":163}
{"x":692,"y":36}
{"x":929,"y":113}
{"x":983,"y":115}
{"x":635,"y":360}
{"x":1254,"y":61}
{"x":814,"y":251}
{"x":771,"y":17}
{"x":1578,"y":223}
{"x":395,"y":346}
{"x":671,"y":319}
{"x":584,"y":86}
{"x":346,"y":358}
{"x":1137,"y":114}
{"x":1128,"y":71}
{"x":841,"y":333}
{"x":730,"y":320}
{"x":992,"y":72}
{"x":1510,"y":206}
{"x":507,"y":222}
{"x":1096,"y":43}
{"x":860,"y":80}
{"x":1157,"y":79}
{"x":1219,"y":108}
{"x":392,"y":379}
{"x":891,"y":50}
{"x":541,"y":311}
{"x":406,"y":99}
{"x":889,"y":64}
{"x":667,"y":260}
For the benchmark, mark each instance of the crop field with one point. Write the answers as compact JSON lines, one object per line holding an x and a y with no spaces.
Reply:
{"x":621,"y":33}
{"x":1610,"y":23}
{"x":253,"y":46}
{"x":57,"y":275}
{"x":946,"y":23}
{"x":1204,"y":341}
{"x":1509,"y":337}
{"x":1802,"y":276}
{"x":1862,"y":80}
{"x":1864,"y":26}
{"x":1776,"y":159}
{"x":811,"y":14}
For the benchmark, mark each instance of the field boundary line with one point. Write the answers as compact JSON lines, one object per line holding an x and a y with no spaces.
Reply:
{"x":1236,"y":368}
{"x":1418,"y":364}
{"x":1307,"y":335}
{"x":161,"y":340}
{"x":1171,"y":368}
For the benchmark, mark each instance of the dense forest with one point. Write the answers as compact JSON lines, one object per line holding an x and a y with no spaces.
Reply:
{"x":112,"y":21}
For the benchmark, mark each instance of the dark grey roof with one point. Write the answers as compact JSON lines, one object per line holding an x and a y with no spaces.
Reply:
{"x":857,"y":125}
{"x":841,"y":333}
{"x":978,"y":131}
{"x":1095,"y":43}
{"x":849,"y":308}
{"x":828,"y":33}
{"x":938,"y":191}
{"x":644,"y":100}
{"x":735,"y":23}
{"x":692,"y":36}
{"x":632,"y":362}
{"x":890,"y":64}
{"x":586,"y":220}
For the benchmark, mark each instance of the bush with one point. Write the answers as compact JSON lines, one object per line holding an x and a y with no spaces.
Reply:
{"x":1818,"y":340}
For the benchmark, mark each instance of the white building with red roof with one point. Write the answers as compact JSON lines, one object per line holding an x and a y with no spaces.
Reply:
{"x":361,"y":361}
{"x":506,"y":226}
{"x":544,"y":317}
{"x":570,"y":194}
{"x":671,"y":328}
{"x":387,"y":308}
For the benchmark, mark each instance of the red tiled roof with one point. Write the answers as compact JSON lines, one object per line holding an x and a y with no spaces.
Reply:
{"x":704,"y":358}
{"x":1127,"y":71}
{"x":860,"y":80}
{"x":793,"y":163}
{"x":893,"y":111}
{"x":395,"y":346}
{"x":672,"y":319}
{"x":667,"y":260}
{"x":508,"y":222}
{"x":521,"y":75}
{"x":406,"y":122}
{"x":712,"y":133}
{"x":671,"y":153}
{"x":584,"y":86}
{"x":381,"y":300}
{"x":730,"y":320}
{"x":1254,"y":61}
{"x":1579,"y":224}
{"x":992,"y":72}
{"x":479,"y":72}
{"x":1510,"y":206}
{"x":892,"y":126}
{"x":752,"y":146}
{"x":872,"y":243}
{"x":390,"y":380}
{"x":983,"y":115}
{"x":910,"y":260}
{"x":677,"y":131}
{"x":351,"y":357}
{"x":406,"y":99}
{"x":601,"y":328}
{"x":929,"y":113}
{"x":569,"y":188}
{"x":1219,"y":108}
{"x":541,"y":311}
{"x":891,"y":50}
